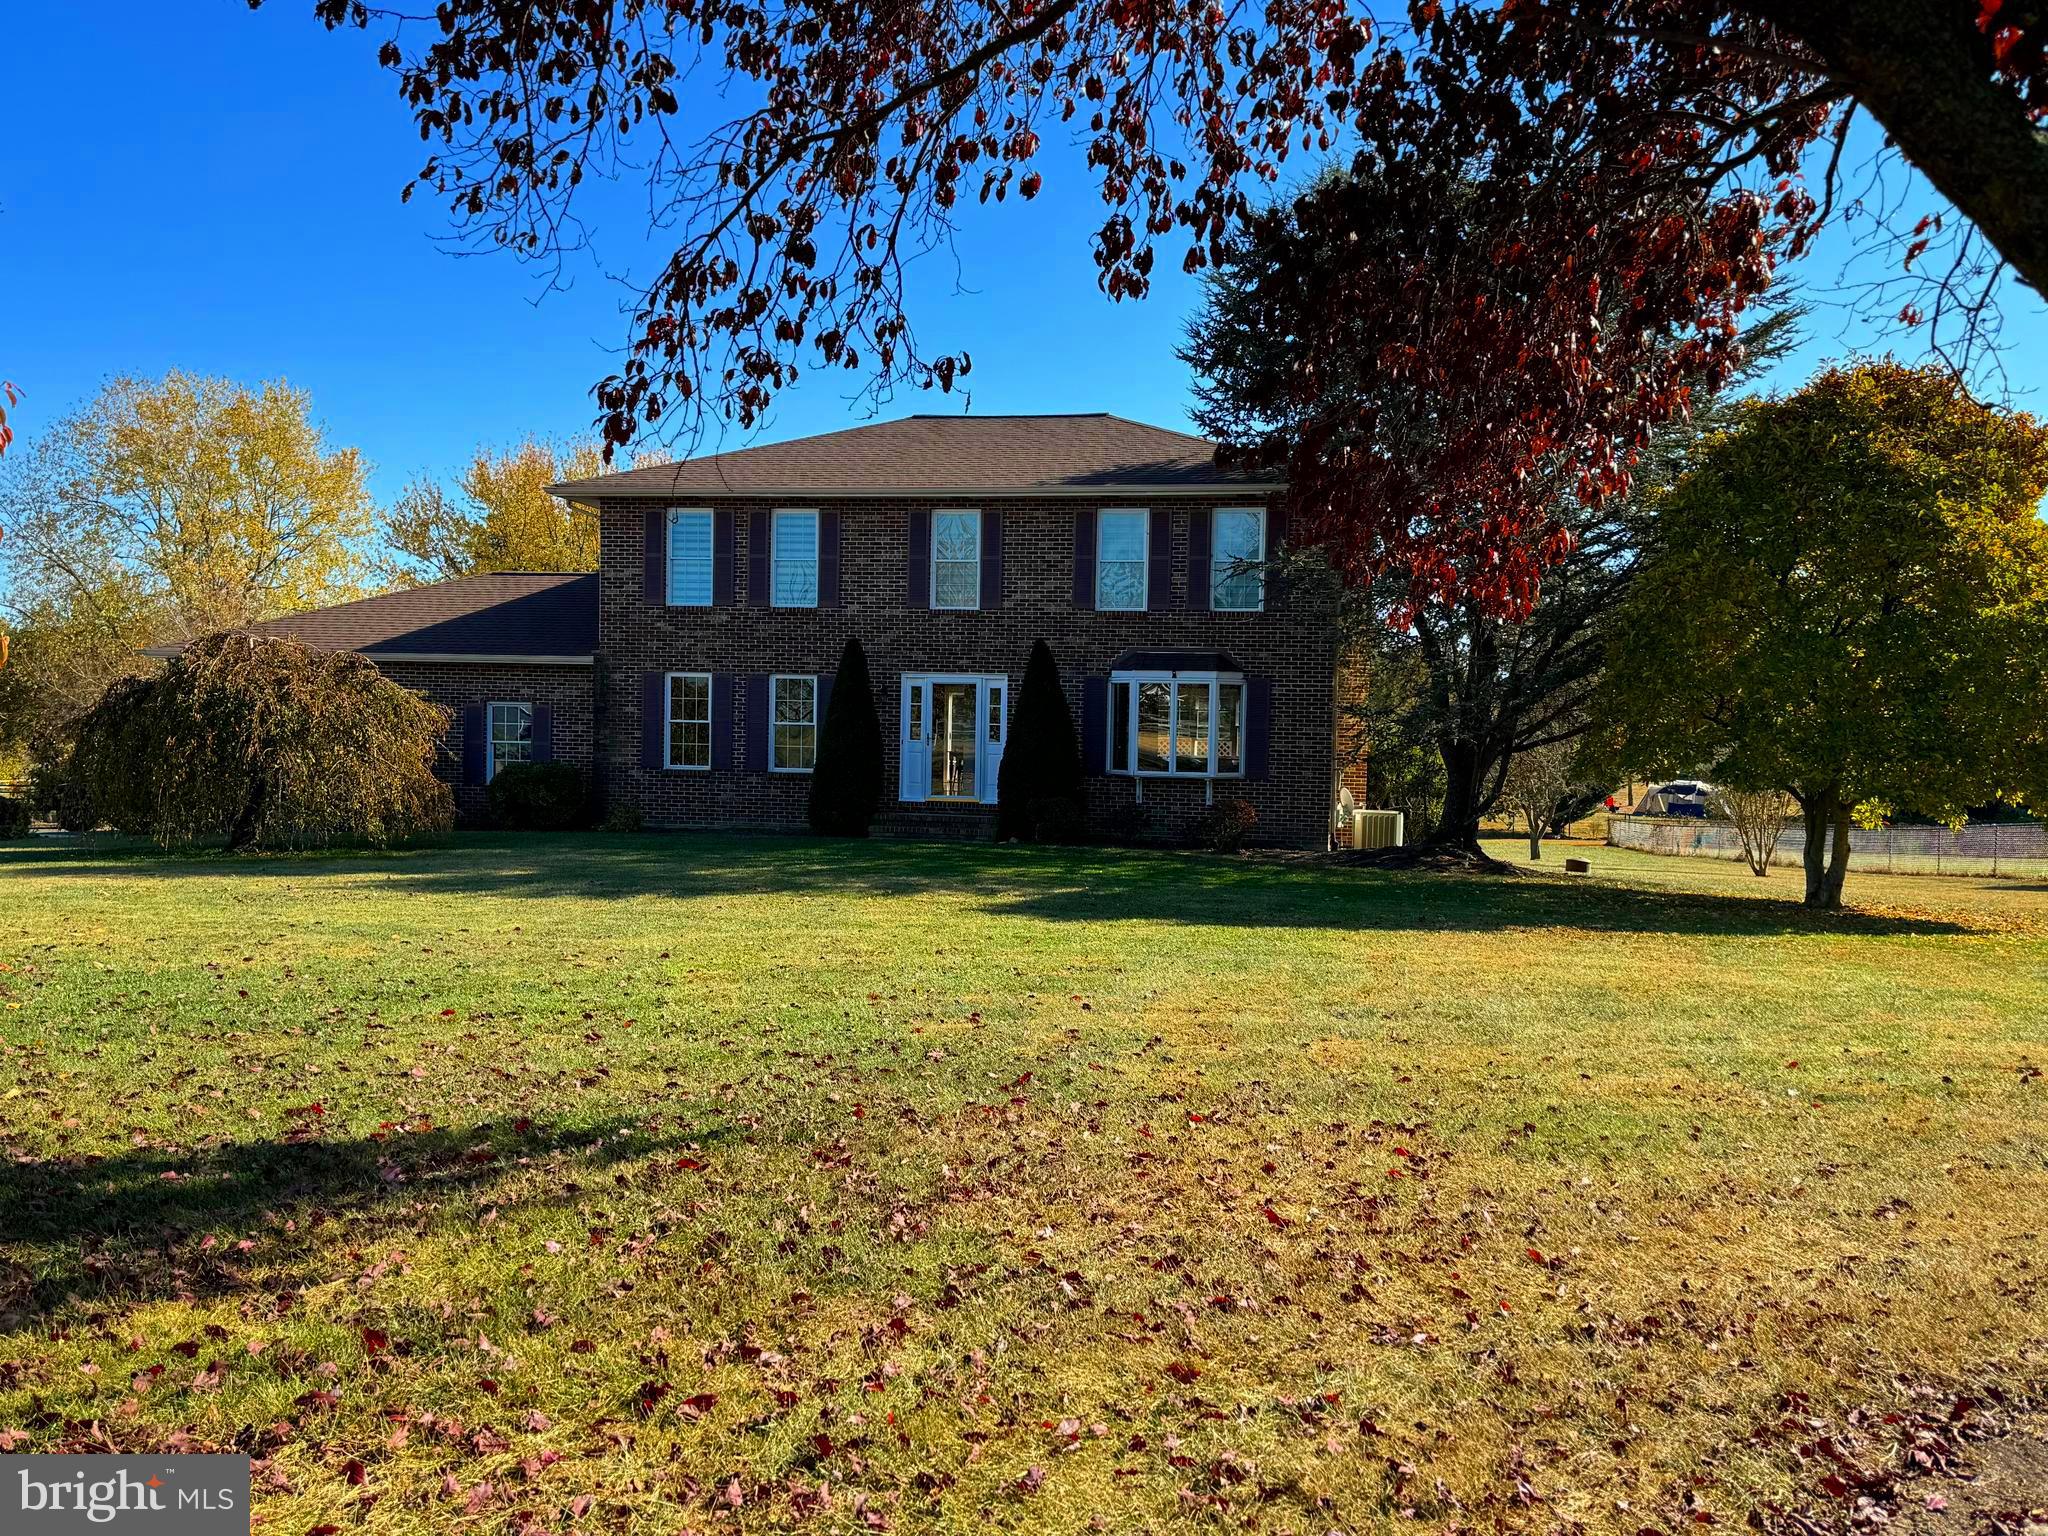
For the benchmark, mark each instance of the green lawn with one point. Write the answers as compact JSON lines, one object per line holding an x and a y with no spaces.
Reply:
{"x":668,"y":1184}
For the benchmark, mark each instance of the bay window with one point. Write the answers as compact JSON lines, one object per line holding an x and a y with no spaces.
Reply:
{"x":1176,"y":724}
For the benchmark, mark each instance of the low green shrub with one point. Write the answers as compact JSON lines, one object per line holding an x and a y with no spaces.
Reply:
{"x":1227,"y":825}
{"x":624,"y":816}
{"x":536,"y":797}
{"x":55,"y":794}
{"x":1129,"y":823}
{"x":1057,"y":819}
{"x":13,"y":817}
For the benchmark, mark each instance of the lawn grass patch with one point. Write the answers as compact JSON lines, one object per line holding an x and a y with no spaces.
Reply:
{"x":668,"y":1183}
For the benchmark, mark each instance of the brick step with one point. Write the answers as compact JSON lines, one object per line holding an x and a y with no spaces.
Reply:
{"x":953,"y":825}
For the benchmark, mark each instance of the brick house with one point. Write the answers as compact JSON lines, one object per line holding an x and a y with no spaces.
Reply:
{"x":689,"y":676}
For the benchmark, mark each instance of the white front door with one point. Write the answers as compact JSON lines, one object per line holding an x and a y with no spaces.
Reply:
{"x":953,"y":730}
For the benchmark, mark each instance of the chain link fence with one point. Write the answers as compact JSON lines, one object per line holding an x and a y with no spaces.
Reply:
{"x":1981,"y":848}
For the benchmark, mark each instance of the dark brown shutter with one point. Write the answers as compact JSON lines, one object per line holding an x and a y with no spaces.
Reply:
{"x":1159,"y":563}
{"x":653,"y":719}
{"x":1084,"y":558}
{"x":1094,"y":725}
{"x":721,"y":721}
{"x":1201,"y":541}
{"x":757,"y":559}
{"x":724,"y":535}
{"x":543,"y":734}
{"x":824,"y":703}
{"x":654,"y":564}
{"x":1258,"y":728}
{"x":757,"y":724}
{"x":476,"y":744}
{"x":917,"y":561}
{"x":828,"y":559}
{"x":991,"y":560}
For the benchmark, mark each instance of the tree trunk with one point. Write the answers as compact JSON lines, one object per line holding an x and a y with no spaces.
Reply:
{"x":1459,"y":827}
{"x":1826,"y":856}
{"x":1535,"y":838}
{"x":1923,"y":69}
{"x":1838,"y":871}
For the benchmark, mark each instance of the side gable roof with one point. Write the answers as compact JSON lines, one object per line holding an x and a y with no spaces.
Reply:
{"x":944,"y":455}
{"x":527,"y":615}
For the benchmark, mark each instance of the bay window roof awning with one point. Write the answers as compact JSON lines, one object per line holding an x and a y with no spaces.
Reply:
{"x":1175,"y":661}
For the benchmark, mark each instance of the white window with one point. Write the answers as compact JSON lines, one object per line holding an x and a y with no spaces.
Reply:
{"x":689,"y":558}
{"x":1237,"y":550}
{"x":1176,"y":724}
{"x":956,"y":560}
{"x":511,"y":736}
{"x":1122,"y":540}
{"x":793,"y":738}
{"x":689,"y":719}
{"x":794,"y":581}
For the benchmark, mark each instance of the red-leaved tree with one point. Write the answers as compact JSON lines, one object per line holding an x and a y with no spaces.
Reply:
{"x":1706,"y":139}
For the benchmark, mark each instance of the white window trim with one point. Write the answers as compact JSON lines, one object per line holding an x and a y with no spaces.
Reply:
{"x":1219,"y":572}
{"x":668,"y":540}
{"x":775,"y":554}
{"x":491,"y":733}
{"x":668,"y":725}
{"x":817,"y":725}
{"x":1216,"y":682}
{"x":1144,"y":517}
{"x":980,"y":554}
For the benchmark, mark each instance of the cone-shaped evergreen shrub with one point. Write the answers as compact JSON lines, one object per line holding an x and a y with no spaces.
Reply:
{"x":846,"y":783}
{"x":1038,"y":792}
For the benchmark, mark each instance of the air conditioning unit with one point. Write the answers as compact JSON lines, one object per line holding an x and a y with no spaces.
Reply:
{"x":1378,"y":829}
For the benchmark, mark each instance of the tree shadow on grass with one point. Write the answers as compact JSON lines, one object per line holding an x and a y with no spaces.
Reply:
{"x":134,"y":1227}
{"x":1084,"y":885}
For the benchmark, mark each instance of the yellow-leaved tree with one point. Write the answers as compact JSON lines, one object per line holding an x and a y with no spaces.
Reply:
{"x":159,"y":511}
{"x":498,"y":516}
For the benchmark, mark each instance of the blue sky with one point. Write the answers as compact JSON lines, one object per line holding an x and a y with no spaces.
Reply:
{"x":204,"y":187}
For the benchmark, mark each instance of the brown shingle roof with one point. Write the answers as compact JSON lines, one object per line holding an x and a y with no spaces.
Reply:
{"x":506,"y":613}
{"x":942,"y":455}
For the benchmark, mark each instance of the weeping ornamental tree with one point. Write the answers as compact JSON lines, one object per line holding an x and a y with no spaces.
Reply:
{"x":846,"y":783}
{"x":262,"y":743}
{"x":1847,"y":600}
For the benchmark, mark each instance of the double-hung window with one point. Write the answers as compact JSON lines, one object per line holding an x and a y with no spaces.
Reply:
{"x":1176,"y":724}
{"x":956,"y":560}
{"x":511,"y":727}
{"x":689,"y":719}
{"x":1122,"y":538}
{"x":689,"y":558}
{"x":794,"y":580}
{"x":793,"y":735}
{"x":1237,"y":551}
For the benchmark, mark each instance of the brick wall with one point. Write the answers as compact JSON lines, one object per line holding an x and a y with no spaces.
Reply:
{"x":1293,"y":645}
{"x":567,"y":691}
